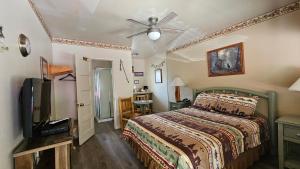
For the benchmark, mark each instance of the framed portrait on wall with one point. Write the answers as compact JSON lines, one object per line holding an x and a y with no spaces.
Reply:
{"x":158,"y":76}
{"x":224,"y":61}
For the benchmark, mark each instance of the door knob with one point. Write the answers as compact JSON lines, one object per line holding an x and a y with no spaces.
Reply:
{"x":80,"y":105}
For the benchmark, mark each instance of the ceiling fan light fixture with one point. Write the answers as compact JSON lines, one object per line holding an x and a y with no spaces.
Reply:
{"x":153,"y":34}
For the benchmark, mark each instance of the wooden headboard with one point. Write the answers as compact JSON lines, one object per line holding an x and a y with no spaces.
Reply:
{"x":270,"y":97}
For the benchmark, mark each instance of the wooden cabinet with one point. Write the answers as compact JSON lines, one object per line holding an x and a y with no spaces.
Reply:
{"x":288,"y":135}
{"x":54,"y":149}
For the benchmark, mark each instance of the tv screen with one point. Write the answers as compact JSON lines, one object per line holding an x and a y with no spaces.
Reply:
{"x":45,"y":111}
{"x":35,"y":103}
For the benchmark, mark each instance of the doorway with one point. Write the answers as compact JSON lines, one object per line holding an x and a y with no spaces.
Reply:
{"x":102,"y":90}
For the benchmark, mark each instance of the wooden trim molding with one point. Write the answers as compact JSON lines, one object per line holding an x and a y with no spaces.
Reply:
{"x":38,"y":14}
{"x":89,"y":44}
{"x":244,"y":24}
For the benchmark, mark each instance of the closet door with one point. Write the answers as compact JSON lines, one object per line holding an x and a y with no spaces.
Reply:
{"x":84,"y":99}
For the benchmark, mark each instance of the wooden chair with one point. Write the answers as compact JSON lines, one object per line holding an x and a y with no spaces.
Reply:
{"x":126,"y":111}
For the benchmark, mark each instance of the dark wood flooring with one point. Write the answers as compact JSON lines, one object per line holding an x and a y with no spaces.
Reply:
{"x":106,"y":150}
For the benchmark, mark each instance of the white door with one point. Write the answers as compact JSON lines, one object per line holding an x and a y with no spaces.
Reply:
{"x":84,"y":107}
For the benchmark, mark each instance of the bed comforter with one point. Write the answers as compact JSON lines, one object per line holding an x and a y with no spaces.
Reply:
{"x":192,"y":138}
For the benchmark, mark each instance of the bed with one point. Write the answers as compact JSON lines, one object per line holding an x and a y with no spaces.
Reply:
{"x":193,"y":138}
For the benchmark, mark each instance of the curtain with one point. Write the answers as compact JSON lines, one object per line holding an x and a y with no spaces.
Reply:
{"x":103,"y":94}
{"x":97,"y":93}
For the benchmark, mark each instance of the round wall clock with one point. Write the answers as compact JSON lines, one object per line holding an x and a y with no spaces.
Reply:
{"x":24,"y":45}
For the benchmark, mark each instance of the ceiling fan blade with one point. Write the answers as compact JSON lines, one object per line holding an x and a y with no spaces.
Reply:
{"x":167,"y":18}
{"x":136,"y":34}
{"x":172,"y":30}
{"x":137,"y":22}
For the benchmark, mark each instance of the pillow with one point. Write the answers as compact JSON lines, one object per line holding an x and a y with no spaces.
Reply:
{"x":236,"y":105}
{"x":206,"y":101}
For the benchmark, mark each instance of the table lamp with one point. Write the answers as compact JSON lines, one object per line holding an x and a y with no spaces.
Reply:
{"x":295,"y":86}
{"x":177,"y":82}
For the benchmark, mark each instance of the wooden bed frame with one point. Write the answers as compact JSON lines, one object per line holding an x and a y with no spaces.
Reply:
{"x":269,"y":96}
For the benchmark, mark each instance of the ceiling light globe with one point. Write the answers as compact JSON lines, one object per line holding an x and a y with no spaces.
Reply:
{"x":154,"y":35}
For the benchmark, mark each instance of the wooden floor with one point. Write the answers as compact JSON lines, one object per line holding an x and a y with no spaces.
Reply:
{"x":106,"y":150}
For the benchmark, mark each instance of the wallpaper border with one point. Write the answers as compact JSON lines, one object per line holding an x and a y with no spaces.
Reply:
{"x":244,"y":24}
{"x":241,"y":25}
{"x":89,"y":44}
{"x":38,"y":14}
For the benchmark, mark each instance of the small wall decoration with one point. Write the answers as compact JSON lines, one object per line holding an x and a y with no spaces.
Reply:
{"x":44,"y":68}
{"x":138,"y":73}
{"x":3,"y":46}
{"x":158,"y":76}
{"x":159,"y":65}
{"x":24,"y":45}
{"x":136,"y":82}
{"x":228,"y":60}
{"x":122,"y":68}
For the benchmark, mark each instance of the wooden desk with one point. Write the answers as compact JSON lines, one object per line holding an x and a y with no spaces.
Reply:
{"x":24,"y":153}
{"x":148,"y":95}
{"x":143,"y":104}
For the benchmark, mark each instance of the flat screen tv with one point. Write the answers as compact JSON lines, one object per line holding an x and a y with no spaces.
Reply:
{"x":35,"y":105}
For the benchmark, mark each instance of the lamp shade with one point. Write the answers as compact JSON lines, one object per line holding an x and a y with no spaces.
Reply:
{"x":177,"y":82}
{"x":295,"y":86}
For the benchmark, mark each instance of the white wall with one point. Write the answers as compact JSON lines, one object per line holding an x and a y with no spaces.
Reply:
{"x":139,"y":66}
{"x":65,"y":91}
{"x":160,"y":90}
{"x":271,"y":56}
{"x":17,"y":17}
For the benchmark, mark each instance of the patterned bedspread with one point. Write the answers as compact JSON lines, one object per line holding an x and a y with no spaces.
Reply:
{"x":190,"y":138}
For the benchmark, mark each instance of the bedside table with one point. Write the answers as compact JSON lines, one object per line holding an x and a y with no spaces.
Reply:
{"x":288,"y":133}
{"x":179,"y":105}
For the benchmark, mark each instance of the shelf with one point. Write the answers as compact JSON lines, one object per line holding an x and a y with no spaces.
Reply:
{"x":56,"y":70}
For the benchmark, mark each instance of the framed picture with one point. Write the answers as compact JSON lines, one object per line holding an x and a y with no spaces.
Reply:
{"x":44,"y":68}
{"x":158,"y":76}
{"x":138,"y":73}
{"x":136,"y":82}
{"x":228,"y":60}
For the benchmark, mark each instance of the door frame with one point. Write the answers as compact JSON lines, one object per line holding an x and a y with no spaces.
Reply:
{"x":113,"y":84}
{"x":112,"y":79}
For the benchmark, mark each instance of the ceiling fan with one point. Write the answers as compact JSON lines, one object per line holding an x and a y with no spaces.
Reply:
{"x":155,"y":26}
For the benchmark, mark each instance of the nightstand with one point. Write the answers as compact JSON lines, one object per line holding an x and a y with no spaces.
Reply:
{"x":288,"y":134}
{"x":179,"y":105}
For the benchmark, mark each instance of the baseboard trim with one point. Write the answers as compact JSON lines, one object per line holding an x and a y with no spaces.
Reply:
{"x":103,"y":120}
